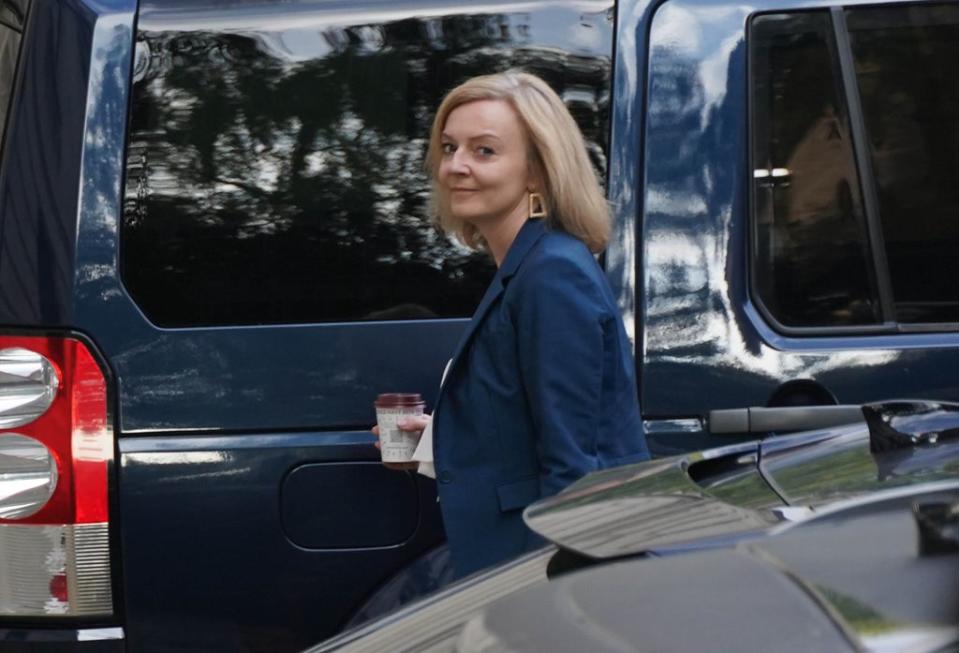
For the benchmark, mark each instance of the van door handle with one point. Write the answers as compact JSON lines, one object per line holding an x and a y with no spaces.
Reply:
{"x":758,"y":419}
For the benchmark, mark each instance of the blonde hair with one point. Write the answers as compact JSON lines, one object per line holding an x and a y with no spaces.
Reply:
{"x":557,"y":154}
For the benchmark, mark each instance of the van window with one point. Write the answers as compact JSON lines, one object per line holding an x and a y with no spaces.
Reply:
{"x":275,"y":166}
{"x":12,"y":15}
{"x":905,"y":60}
{"x":810,"y":241}
{"x":812,"y":261}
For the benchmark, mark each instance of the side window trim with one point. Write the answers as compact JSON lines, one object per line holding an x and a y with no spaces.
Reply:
{"x":863,"y":163}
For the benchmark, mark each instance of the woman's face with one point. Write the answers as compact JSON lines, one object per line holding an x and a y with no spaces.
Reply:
{"x":484,"y":169}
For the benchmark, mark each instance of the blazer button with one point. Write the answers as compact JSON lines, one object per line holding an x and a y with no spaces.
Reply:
{"x":445,"y":477}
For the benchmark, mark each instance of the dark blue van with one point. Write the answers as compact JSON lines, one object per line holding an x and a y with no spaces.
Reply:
{"x":215,"y":252}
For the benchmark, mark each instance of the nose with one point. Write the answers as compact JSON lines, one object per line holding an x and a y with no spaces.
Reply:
{"x":457,"y":162}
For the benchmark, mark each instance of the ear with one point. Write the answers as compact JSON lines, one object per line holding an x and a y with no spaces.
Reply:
{"x":534,"y":183}
{"x":534,"y":175}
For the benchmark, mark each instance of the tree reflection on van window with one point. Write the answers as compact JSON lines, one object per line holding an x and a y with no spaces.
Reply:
{"x":275,"y":174}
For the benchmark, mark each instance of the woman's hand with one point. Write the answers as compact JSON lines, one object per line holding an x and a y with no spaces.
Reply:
{"x":412,"y":423}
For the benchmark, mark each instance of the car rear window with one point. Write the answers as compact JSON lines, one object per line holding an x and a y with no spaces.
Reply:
{"x":855,"y":136}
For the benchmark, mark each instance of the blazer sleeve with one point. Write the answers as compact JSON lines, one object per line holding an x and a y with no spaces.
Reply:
{"x":561,"y":321}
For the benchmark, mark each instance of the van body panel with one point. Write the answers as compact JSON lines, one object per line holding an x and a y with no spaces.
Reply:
{"x":706,"y":345}
{"x":40,"y":177}
{"x":208,"y":561}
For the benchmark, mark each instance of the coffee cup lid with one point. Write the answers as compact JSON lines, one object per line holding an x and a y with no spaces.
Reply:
{"x":398,"y":399}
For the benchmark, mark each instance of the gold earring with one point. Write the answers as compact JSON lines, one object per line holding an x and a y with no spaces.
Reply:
{"x":537,"y":206}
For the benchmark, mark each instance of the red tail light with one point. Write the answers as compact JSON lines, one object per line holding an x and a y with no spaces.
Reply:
{"x":56,"y":447}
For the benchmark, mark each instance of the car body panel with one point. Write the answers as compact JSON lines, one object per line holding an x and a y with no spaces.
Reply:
{"x":434,"y":622}
{"x":741,"y":489}
{"x":853,"y":580}
{"x":642,"y":507}
{"x":824,"y":466}
{"x":645,"y":614}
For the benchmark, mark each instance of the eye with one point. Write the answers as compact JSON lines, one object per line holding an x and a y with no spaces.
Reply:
{"x":484,"y":151}
{"x":448,"y":148}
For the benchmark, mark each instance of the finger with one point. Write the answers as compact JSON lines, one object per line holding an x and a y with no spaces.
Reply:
{"x":376,"y":431}
{"x":415,"y":423}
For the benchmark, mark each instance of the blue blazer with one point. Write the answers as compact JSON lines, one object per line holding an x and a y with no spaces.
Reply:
{"x":541,"y":390}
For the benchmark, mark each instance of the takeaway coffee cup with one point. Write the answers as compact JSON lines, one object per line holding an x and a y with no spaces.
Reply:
{"x":396,"y":445}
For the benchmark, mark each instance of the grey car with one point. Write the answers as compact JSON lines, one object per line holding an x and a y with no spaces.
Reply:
{"x":713,"y":499}
{"x":879,"y":574}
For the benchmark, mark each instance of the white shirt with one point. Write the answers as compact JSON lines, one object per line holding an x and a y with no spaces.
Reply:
{"x":424,"y":449}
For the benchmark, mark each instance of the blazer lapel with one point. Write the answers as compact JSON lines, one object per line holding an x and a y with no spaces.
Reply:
{"x":493,"y":291}
{"x":531,"y":231}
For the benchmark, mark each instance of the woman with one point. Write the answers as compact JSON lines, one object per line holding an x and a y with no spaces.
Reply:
{"x":541,"y":389}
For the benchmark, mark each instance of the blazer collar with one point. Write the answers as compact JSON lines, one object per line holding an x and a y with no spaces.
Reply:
{"x":531,"y":231}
